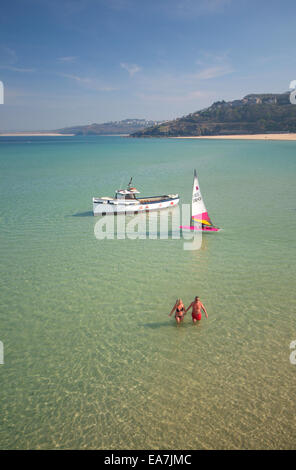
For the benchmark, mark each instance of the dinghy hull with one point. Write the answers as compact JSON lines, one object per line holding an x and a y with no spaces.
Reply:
{"x":200,"y":229}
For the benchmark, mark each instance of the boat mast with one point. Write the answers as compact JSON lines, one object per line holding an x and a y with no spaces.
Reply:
{"x":130,"y":183}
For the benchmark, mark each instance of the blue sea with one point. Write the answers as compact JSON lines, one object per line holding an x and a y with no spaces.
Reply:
{"x":91,"y":358}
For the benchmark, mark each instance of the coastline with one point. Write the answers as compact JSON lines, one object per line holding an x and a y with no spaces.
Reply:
{"x":52,"y":134}
{"x":32,"y":134}
{"x":243,"y":137}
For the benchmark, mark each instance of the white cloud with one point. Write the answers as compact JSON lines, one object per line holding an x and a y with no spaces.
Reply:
{"x":77,"y":78}
{"x":131,"y":68}
{"x":213,"y":72}
{"x":7,"y":55}
{"x":174,"y":97}
{"x":16,"y":69}
{"x":67,"y":59}
{"x":210,"y":59}
{"x":193,"y":8}
{"x":9,"y":61}
{"x":91,"y":83}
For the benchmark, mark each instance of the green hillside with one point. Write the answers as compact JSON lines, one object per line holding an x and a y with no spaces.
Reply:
{"x":254,"y":114}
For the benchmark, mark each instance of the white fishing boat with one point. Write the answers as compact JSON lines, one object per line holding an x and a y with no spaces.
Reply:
{"x":200,"y":219}
{"x":126,"y":201}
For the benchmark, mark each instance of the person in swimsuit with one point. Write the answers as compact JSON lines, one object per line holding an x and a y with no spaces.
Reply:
{"x":197,"y":306}
{"x":179,"y":309}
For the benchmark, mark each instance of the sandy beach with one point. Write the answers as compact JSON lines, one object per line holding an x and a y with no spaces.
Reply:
{"x":244,"y":137}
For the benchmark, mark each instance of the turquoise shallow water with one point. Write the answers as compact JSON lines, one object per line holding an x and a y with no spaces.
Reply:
{"x":91,"y":358}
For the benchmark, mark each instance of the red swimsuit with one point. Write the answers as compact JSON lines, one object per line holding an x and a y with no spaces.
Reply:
{"x":196,"y":316}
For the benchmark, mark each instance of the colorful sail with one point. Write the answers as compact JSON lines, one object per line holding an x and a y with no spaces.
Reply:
{"x":200,"y":219}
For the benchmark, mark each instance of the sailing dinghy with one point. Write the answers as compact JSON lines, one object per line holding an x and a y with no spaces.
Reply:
{"x":200,"y":219}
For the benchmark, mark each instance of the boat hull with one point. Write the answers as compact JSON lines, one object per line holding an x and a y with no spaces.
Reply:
{"x":107,"y":208}
{"x":200,"y":229}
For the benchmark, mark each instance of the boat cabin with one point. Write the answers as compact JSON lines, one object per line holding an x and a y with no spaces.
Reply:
{"x":126,"y":193}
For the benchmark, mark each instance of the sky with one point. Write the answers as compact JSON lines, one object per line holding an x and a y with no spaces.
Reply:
{"x":73,"y":62}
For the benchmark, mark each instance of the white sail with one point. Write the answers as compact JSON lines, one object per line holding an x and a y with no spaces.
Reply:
{"x":198,"y":206}
{"x":200,"y":219}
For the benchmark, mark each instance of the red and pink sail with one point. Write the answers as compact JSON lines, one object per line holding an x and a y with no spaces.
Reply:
{"x":200,"y":219}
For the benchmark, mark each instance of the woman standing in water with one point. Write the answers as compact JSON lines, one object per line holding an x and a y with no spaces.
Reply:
{"x":179,"y":309}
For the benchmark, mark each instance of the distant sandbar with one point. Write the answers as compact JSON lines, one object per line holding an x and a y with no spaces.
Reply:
{"x":32,"y":134}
